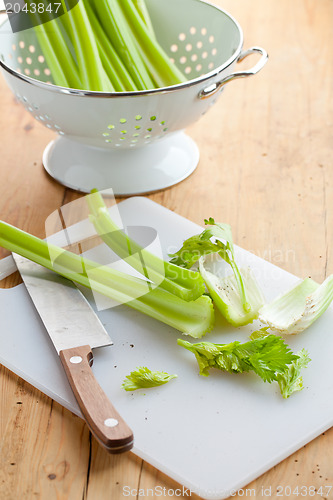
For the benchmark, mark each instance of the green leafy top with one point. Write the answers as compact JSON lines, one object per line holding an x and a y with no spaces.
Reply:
{"x":267,"y":356}
{"x":216,"y":239}
{"x":143,"y":377}
{"x":291,"y":381}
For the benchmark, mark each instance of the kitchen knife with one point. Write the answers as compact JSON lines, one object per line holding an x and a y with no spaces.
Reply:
{"x":75,"y":329}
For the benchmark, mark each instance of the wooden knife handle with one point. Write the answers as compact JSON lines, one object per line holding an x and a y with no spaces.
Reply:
{"x":103,"y":420}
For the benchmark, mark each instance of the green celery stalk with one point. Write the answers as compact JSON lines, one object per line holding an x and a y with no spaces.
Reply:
{"x":141,"y":7}
{"x":193,"y":318}
{"x":92,"y":73}
{"x":112,"y":19}
{"x":184,"y":283}
{"x":163,"y":71}
{"x":112,"y":63}
{"x":60,"y":61}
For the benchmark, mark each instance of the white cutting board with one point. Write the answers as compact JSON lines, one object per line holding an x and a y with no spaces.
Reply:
{"x":212,"y":434}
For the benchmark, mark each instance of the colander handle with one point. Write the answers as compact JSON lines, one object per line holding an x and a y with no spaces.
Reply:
{"x":215,"y":87}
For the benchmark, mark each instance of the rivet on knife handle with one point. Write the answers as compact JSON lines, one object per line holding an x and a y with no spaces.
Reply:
{"x":102,"y":418}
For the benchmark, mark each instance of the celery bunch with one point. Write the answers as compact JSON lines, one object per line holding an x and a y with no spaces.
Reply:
{"x":114,"y":47}
{"x":194,"y":317}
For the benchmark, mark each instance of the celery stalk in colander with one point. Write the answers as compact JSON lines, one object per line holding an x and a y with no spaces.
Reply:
{"x":93,"y":75}
{"x":112,"y":19}
{"x":117,"y":72}
{"x":55,"y":50}
{"x":157,"y":61}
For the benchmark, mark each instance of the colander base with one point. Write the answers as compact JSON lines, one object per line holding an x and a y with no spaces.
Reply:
{"x":128,"y":172}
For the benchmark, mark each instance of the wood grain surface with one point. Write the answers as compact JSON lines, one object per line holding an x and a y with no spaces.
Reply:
{"x":266,"y":168}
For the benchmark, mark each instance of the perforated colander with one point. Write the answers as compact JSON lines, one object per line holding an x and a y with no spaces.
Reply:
{"x":132,"y":142}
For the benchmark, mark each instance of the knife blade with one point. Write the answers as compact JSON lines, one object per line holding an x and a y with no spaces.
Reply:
{"x":75,"y":329}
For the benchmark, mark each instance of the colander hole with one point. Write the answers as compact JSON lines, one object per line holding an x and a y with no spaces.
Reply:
{"x":188,"y":70}
{"x":122,"y":138}
{"x":152,"y":118}
{"x":42,"y":118}
{"x":29,"y":60}
{"x":198,"y":67}
{"x":211,"y":39}
{"x":193,"y":30}
{"x":47,"y":71}
{"x":137,"y":127}
{"x":24,"y":99}
{"x":183,"y":60}
{"x":32,"y":49}
{"x":162,"y":122}
{"x":106,"y":134}
{"x":122,"y":120}
{"x":57,"y":127}
{"x":135,"y":135}
{"x":22,"y":44}
{"x":211,"y":65}
{"x":27,"y":71}
{"x":204,"y":55}
{"x":134,"y":140}
{"x":149,"y":129}
{"x":111,"y":127}
{"x":214,"y":51}
{"x":108,"y":140}
{"x":188,"y":47}
{"x":165,"y":129}
{"x":18,"y":70}
{"x":48,"y":125}
{"x":10,"y":56}
{"x":124,"y":132}
{"x":41,"y":59}
{"x":194,"y":57}
{"x":199,"y":44}
{"x":147,"y":136}
{"x":138,"y":117}
{"x":172,"y":60}
{"x":181,"y":36}
{"x":30,"y":109}
{"x":14,"y":46}
{"x":20,"y":60}
{"x":36,"y":72}
{"x":174,"y":48}
{"x":61,"y":132}
{"x":204,"y":31}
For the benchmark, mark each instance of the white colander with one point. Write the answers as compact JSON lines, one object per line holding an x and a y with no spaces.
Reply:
{"x":132,"y":142}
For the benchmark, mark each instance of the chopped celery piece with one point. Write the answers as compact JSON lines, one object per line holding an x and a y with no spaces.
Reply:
{"x":194,"y":318}
{"x":143,"y":378}
{"x":267,"y":356}
{"x":295,"y":310}
{"x":225,"y":292}
{"x":216,"y":239}
{"x":184,"y":283}
{"x":291,"y":380}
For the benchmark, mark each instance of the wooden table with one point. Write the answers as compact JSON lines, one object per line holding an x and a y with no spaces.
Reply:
{"x":266,"y":168}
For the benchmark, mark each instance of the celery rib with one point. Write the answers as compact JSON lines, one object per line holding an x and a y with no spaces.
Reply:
{"x":184,"y":283}
{"x":115,"y":68}
{"x":193,"y":318}
{"x":112,"y":19}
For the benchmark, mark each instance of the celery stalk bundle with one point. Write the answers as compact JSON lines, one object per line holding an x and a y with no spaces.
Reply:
{"x":114,"y":47}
